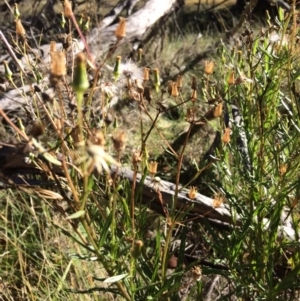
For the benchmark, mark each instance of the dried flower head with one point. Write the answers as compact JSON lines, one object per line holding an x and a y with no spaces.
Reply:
{"x":153,"y":168}
{"x":130,"y":69}
{"x":226,"y":135}
{"x":218,"y":200}
{"x":282,"y":169}
{"x":98,"y":137}
{"x":94,"y":156}
{"x":175,"y":91}
{"x":120,"y":32}
{"x":119,"y":141}
{"x":179,"y":82}
{"x":20,"y":29}
{"x":146,"y":74}
{"x":136,"y":157}
{"x":231,"y":78}
{"x":68,"y":9}
{"x":218,"y":110}
{"x":58,"y":66}
{"x":192,"y":193}
{"x":196,"y":273}
{"x":209,"y":67}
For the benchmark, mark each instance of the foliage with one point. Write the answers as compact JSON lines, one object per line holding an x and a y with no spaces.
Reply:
{"x":85,"y":231}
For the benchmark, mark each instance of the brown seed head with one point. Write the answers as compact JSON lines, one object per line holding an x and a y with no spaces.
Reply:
{"x":120,"y":32}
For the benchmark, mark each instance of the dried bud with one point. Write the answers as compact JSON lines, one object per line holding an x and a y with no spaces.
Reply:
{"x":231,"y":78}
{"x":209,"y":67}
{"x":192,"y":193}
{"x":119,"y":140}
{"x":58,"y":66}
{"x":153,"y":168}
{"x":140,"y":55}
{"x":117,"y":68}
{"x":146,"y":74}
{"x":175,"y":91}
{"x":194,"y":96}
{"x":218,"y":110}
{"x":68,"y":9}
{"x":7,"y":72}
{"x":156,"y":79}
{"x":80,"y":79}
{"x":194,"y":83}
{"x":20,"y":29}
{"x":136,"y":249}
{"x":226,"y":135}
{"x":120,"y":32}
{"x":98,"y":137}
{"x":179,"y":82}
